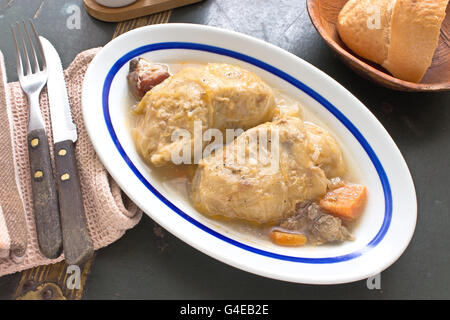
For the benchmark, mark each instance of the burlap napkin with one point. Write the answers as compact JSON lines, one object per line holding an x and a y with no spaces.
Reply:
{"x":109,"y":212}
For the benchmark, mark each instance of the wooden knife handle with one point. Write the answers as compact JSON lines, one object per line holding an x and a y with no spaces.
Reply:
{"x":78,"y":245}
{"x":45,"y":198}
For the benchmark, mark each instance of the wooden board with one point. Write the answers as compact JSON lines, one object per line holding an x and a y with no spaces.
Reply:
{"x":53,"y":282}
{"x":138,"y":9}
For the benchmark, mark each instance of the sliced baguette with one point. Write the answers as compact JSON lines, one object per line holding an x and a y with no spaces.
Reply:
{"x":414,"y":37}
{"x":357,"y":27}
{"x":406,"y":40}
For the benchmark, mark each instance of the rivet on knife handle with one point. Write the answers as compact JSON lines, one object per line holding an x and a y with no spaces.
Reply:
{"x":45,"y":197}
{"x":78,"y":245}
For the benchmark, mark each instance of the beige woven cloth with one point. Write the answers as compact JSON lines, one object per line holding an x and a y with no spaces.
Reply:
{"x":109,"y":212}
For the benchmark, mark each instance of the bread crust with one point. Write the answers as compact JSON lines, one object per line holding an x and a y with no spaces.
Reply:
{"x":357,"y":27}
{"x":414,"y":37}
{"x":406,"y":40}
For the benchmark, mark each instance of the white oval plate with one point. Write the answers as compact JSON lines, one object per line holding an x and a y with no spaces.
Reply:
{"x":388,"y":222}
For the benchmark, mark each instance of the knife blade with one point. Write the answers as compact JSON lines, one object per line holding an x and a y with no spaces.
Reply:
{"x":77,"y":243}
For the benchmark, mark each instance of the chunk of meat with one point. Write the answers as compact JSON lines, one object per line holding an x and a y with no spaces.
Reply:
{"x":319,"y":226}
{"x":144,"y":75}
{"x":216,"y":95}
{"x":346,"y":202}
{"x":255,"y":190}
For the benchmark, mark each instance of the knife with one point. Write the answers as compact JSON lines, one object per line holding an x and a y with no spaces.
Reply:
{"x":77,"y":243}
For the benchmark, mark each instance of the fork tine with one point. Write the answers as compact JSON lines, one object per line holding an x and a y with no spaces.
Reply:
{"x":31,"y":46}
{"x":39,"y":45}
{"x":18,"y":55}
{"x":24,"y":47}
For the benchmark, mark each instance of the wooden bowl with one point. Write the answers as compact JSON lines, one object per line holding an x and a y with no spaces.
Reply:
{"x":324,"y":14}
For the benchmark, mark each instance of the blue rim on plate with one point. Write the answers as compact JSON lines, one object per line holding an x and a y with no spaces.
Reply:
{"x":286,"y":77}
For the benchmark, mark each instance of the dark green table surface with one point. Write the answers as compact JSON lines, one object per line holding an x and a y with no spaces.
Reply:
{"x":143,"y":265}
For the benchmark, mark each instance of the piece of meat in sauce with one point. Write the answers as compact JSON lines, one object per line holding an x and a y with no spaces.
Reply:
{"x":319,"y":226}
{"x":144,"y":75}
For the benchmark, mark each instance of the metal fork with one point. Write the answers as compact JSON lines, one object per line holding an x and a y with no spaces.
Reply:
{"x":32,"y":79}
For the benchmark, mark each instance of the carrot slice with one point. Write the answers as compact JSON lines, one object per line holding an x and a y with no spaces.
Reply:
{"x":345,"y":202}
{"x":287,"y":239}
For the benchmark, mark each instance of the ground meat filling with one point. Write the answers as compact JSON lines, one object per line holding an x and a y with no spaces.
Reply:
{"x":316,"y":224}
